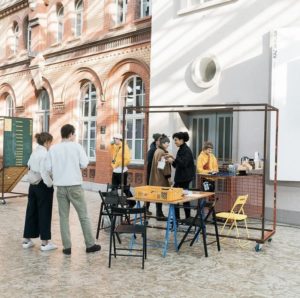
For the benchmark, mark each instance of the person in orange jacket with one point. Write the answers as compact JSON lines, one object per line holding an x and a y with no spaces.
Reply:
{"x":116,"y":149}
{"x":207,"y":164}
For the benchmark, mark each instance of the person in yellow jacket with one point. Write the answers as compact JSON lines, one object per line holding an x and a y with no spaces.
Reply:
{"x":207,"y":164}
{"x":116,"y":149}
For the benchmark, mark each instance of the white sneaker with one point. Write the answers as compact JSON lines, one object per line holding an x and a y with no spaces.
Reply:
{"x":27,"y":244}
{"x":49,"y":246}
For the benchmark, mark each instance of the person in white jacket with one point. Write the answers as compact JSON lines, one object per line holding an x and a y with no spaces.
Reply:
{"x":40,"y":196}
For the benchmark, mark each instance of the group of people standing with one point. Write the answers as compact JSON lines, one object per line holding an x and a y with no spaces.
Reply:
{"x":60,"y":166}
{"x":160,"y":162}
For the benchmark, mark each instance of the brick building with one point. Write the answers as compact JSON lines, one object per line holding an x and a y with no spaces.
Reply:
{"x":79,"y":62}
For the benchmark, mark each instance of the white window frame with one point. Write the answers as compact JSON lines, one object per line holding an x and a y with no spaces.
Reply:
{"x":43,"y":114}
{"x":121,"y":11}
{"x":78,"y":18}
{"x":60,"y":23}
{"x":134,"y":117}
{"x":90,"y":120}
{"x":147,"y":3}
{"x":187,"y":6}
{"x":9,"y":106}
{"x":16,"y":31}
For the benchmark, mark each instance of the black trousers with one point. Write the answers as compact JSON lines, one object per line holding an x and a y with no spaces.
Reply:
{"x":39,"y":212}
{"x":187,"y":205}
{"x":116,"y":181}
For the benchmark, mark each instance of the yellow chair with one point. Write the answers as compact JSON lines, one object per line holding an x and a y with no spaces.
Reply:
{"x":236,"y":214}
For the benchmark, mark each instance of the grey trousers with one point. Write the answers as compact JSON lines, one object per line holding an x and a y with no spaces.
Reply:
{"x":75,"y":195}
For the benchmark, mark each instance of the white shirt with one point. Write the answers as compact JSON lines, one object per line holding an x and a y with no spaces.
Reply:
{"x":65,"y":160}
{"x":119,"y":170}
{"x":37,"y":164}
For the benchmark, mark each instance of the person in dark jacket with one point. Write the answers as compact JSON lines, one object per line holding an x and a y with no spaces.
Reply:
{"x":150,"y":155}
{"x":185,"y":167}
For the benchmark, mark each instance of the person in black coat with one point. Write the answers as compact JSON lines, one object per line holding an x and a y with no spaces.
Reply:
{"x":185,"y":168}
{"x":150,"y":155}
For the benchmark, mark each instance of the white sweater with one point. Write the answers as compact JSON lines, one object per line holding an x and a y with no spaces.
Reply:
{"x":36,"y":163}
{"x":65,"y":160}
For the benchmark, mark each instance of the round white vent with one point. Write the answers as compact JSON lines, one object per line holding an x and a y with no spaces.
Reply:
{"x":205,"y":71}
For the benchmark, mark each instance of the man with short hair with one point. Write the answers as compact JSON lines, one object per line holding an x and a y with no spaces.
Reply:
{"x":65,"y":160}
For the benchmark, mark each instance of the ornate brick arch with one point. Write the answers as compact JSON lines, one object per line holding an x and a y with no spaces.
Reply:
{"x":5,"y":90}
{"x":79,"y":76}
{"x":121,"y":72}
{"x":46,"y":85}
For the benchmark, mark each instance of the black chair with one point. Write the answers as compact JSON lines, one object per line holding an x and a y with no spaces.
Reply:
{"x":108,"y":199}
{"x":126,"y":193}
{"x":125,"y":228}
{"x":199,"y":221}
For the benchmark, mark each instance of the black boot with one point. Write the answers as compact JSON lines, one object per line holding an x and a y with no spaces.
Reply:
{"x":159,"y":214}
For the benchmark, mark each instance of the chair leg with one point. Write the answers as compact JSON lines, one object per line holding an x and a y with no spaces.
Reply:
{"x":118,"y":238}
{"x":114,"y":242}
{"x":248,"y":235}
{"x":185,"y":235}
{"x":204,"y":237}
{"x":143,"y":261}
{"x":99,"y":221}
{"x":110,"y":247}
{"x":216,"y":228}
{"x":145,"y":235}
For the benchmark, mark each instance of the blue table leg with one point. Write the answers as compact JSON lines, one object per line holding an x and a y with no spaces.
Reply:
{"x":172,"y":209}
{"x":165,"y":248}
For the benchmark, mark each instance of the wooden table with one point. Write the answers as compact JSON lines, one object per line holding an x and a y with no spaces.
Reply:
{"x":171,"y":221}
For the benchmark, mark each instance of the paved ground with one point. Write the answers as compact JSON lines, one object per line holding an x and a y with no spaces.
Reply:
{"x":233,"y":272}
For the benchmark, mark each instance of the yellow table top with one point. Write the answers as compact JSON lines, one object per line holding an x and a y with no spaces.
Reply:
{"x":195,"y":195}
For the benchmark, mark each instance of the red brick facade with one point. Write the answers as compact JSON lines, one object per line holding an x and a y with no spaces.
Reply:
{"x":104,"y":54}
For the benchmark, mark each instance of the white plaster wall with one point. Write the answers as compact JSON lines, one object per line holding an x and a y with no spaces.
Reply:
{"x":238,"y":34}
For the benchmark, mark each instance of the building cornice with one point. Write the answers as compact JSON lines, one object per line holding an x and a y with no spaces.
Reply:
{"x":108,"y":43}
{"x":14,"y":64}
{"x":13,"y":8}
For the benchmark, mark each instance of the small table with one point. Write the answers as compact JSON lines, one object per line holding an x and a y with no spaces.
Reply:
{"x":194,"y":195}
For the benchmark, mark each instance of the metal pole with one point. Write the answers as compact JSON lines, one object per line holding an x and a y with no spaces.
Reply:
{"x":264,"y":175}
{"x":123,"y":149}
{"x":275,"y":172}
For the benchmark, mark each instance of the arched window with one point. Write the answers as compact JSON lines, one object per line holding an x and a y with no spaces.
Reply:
{"x":145,"y":6}
{"x":16,"y":32}
{"x":43,"y":112}
{"x":27,"y":34}
{"x":78,"y":17}
{"x":9,"y":106}
{"x":133,"y":94}
{"x":87,"y":124}
{"x":121,"y":6}
{"x":60,"y":22}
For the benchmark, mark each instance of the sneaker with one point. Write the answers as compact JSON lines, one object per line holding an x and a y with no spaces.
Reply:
{"x":93,"y":248}
{"x":27,"y":244}
{"x":48,"y":246}
{"x":67,"y":251}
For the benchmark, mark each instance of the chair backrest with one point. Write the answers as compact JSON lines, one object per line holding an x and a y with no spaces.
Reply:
{"x":238,"y":206}
{"x":127,"y":211}
{"x":109,"y":198}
